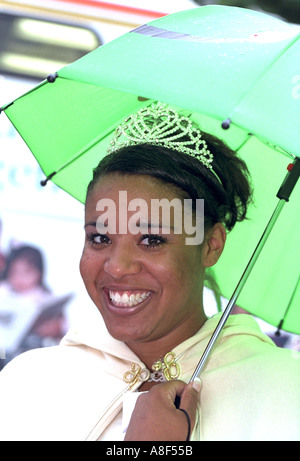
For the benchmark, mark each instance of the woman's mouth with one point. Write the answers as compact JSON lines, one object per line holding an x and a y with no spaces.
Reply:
{"x":127,"y":298}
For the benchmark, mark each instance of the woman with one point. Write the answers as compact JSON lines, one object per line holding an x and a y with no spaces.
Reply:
{"x":143,"y":266}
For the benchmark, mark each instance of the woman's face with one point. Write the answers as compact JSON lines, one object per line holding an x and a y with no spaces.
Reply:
{"x":147,"y":287}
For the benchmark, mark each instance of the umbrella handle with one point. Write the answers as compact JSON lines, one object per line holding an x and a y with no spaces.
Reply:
{"x":283,"y":194}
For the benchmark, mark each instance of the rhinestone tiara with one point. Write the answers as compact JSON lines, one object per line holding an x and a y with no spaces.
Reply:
{"x":161,"y":125}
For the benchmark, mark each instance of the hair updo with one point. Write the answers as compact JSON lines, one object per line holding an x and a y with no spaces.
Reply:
{"x":226,"y":203}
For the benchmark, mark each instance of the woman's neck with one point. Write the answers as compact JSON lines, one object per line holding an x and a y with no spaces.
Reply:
{"x":150,"y":352}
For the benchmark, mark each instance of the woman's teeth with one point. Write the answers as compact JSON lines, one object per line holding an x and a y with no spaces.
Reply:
{"x":126,"y":300}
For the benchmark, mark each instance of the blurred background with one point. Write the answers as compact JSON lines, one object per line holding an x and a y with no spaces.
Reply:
{"x":41,"y":228}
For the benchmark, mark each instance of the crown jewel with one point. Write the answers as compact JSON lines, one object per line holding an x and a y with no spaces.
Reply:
{"x":161,"y":125}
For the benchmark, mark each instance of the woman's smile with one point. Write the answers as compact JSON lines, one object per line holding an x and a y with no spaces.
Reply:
{"x":127,"y":298}
{"x":125,"y":301}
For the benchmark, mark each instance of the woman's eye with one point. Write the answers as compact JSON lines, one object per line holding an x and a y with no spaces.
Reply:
{"x":98,"y":239}
{"x":152,"y":241}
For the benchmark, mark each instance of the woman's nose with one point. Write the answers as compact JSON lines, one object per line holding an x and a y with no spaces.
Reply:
{"x":122,"y":261}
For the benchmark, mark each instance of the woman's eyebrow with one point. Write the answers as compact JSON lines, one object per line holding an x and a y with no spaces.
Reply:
{"x":146,"y":226}
{"x":156,"y":226}
{"x":92,"y":223}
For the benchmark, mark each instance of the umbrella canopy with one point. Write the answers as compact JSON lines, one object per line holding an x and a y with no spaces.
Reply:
{"x":238,"y":72}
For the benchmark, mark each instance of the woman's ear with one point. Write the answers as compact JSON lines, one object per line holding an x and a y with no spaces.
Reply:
{"x":213,"y":245}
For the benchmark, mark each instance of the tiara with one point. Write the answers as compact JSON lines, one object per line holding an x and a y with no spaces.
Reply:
{"x":161,"y":125}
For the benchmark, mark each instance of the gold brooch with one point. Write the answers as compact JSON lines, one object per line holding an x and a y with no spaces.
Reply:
{"x":137,"y":373}
{"x":168,"y":367}
{"x":163,"y":370}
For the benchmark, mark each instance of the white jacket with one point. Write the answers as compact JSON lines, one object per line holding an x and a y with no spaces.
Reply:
{"x":74,"y":392}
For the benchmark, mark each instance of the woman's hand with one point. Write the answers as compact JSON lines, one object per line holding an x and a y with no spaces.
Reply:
{"x":155,"y":416}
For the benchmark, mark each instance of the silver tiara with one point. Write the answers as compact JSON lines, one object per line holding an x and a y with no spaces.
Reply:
{"x":161,"y":125}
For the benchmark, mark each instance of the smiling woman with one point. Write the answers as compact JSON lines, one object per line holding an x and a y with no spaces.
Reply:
{"x":128,"y":372}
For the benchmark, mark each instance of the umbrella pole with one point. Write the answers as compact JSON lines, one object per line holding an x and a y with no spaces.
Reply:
{"x":283,"y":195}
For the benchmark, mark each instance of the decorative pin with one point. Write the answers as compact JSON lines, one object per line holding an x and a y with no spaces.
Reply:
{"x":164,"y":370}
{"x":168,"y":366}
{"x":137,"y":373}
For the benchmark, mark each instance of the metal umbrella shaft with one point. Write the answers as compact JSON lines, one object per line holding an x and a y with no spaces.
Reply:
{"x":283,"y":195}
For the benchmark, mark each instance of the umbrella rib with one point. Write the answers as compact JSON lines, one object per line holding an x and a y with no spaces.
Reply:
{"x":274,"y":147}
{"x":91,"y":144}
{"x":6,"y":106}
{"x":78,"y":155}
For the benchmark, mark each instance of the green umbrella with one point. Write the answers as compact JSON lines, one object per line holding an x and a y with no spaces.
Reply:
{"x":238,"y":71}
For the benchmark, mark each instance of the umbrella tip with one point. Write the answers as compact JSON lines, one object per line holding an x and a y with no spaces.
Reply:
{"x":52,"y":77}
{"x":279,"y":327}
{"x":226,"y":124}
{"x":43,"y":182}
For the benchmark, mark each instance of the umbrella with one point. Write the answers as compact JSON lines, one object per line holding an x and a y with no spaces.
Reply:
{"x":238,"y":72}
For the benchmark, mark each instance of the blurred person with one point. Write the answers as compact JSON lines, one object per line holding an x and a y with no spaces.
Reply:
{"x":24,"y":272}
{"x":23,"y":296}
